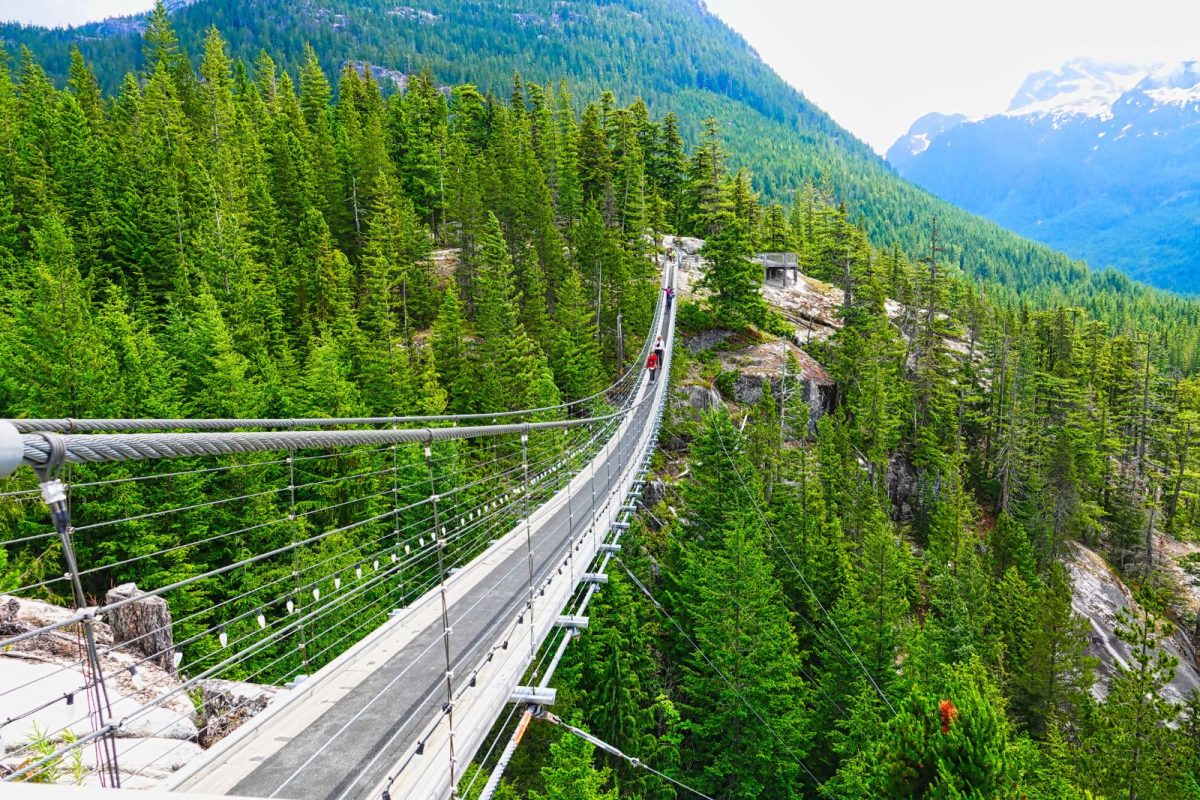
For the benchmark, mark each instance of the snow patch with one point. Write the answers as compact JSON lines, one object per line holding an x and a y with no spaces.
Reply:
{"x":1174,"y":96}
{"x":1080,"y":88}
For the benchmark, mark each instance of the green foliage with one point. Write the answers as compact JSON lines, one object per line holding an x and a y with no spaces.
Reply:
{"x":948,"y":739}
{"x":569,"y":775}
{"x":1132,"y":752}
{"x":684,"y":60}
{"x":235,"y":242}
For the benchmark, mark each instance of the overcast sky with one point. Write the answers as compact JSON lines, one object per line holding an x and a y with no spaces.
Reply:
{"x":877,"y":65}
{"x":68,"y":12}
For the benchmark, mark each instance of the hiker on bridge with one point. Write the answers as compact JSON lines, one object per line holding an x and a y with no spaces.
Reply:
{"x":652,"y":364}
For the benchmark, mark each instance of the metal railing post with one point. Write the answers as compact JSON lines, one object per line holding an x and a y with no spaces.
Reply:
{"x":528,"y":535}
{"x":54,"y":494}
{"x":440,"y":537}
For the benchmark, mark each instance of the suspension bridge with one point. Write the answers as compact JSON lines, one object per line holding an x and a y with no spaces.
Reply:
{"x":406,"y":578}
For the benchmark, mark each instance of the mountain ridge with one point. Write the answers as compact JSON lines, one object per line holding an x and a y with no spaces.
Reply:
{"x":673,"y":53}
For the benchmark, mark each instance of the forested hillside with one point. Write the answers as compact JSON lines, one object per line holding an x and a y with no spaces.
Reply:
{"x":871,"y":606}
{"x":673,"y":53}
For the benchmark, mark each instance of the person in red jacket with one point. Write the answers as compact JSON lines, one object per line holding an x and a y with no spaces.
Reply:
{"x":652,"y":365}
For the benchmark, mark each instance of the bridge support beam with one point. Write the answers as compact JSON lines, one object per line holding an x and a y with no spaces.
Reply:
{"x":534,"y":695}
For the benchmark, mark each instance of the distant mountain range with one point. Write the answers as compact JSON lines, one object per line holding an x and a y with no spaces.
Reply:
{"x":1099,"y":160}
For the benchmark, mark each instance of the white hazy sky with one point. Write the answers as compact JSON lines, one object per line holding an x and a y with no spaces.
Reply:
{"x":68,"y":12}
{"x":877,"y":65}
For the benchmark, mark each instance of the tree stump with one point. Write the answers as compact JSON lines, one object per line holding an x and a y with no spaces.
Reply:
{"x":143,"y":626}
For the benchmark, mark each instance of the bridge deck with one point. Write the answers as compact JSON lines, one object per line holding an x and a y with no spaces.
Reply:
{"x":350,"y":725}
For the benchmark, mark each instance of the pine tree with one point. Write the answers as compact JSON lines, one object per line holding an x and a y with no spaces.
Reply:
{"x":569,"y":775}
{"x":422,"y":159}
{"x":731,"y":276}
{"x":573,"y":355}
{"x":616,"y":666}
{"x":752,"y":729}
{"x":949,"y":738}
{"x":568,"y":188}
{"x":450,"y":344}
{"x":751,"y":736}
{"x":57,"y":358}
{"x":509,"y":364}
{"x":1054,"y":683}
{"x":217,"y":378}
{"x":1132,"y":751}
{"x":706,"y":198}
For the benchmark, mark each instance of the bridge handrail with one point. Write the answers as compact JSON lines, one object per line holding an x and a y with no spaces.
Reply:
{"x":42,"y":449}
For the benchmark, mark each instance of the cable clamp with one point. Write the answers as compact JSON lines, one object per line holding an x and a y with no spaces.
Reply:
{"x":53,"y":491}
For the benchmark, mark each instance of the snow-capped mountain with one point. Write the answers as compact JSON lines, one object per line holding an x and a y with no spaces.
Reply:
{"x":924,"y":131}
{"x":1100,"y":160}
{"x":1083,"y":87}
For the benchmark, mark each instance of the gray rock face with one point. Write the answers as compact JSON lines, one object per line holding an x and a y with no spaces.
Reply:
{"x":705,"y":339}
{"x":748,"y":389}
{"x":153,"y":757}
{"x":699,"y":398}
{"x":143,"y":626}
{"x":687,"y":244}
{"x":653,"y":492}
{"x":901,"y":486}
{"x":154,"y":728}
{"x":1099,"y":594}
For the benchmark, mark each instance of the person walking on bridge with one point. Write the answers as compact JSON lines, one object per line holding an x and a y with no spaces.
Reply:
{"x":670,"y":291}
{"x":652,"y":364}
{"x":658,"y":350}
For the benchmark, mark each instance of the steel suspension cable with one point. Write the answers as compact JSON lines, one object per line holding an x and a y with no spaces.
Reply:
{"x":608,"y":748}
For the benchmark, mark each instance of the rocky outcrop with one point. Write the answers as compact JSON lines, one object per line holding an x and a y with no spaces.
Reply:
{"x":51,"y":701}
{"x":901,"y":481}
{"x":653,"y":492}
{"x":759,"y":368}
{"x":696,"y":342}
{"x":687,"y":245}
{"x":698,"y":398}
{"x":43,"y":680}
{"x":1099,"y":594}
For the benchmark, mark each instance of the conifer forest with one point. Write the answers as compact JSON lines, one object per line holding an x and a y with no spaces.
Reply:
{"x":856,"y":593}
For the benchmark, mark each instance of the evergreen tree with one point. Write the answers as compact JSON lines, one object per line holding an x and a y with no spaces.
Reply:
{"x":1054,"y":683}
{"x":1132,"y":751}
{"x":569,"y":775}
{"x":731,"y":276}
